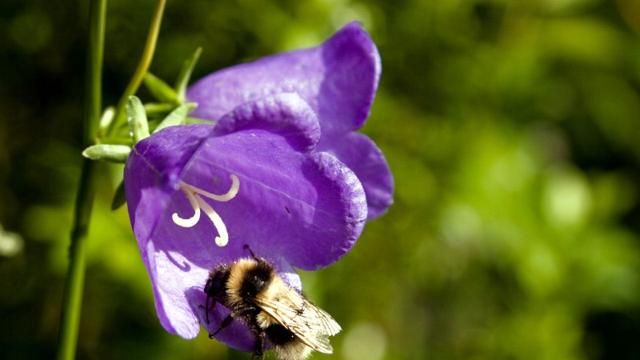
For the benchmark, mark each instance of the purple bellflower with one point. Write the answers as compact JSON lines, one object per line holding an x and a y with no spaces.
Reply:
{"x":281,"y":170}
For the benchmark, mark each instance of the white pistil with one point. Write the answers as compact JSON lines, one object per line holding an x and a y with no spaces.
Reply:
{"x":194,"y":195}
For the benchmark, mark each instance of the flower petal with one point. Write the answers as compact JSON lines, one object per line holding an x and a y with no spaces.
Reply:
{"x":363,"y":156}
{"x":338,"y":79}
{"x":286,"y":114}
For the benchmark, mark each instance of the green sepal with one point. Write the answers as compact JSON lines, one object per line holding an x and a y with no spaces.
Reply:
{"x":160,"y":89}
{"x":107,"y":152}
{"x":154,"y":109}
{"x":119,"y":197}
{"x":193,"y":120}
{"x":185,"y":74}
{"x":137,"y":119}
{"x":106,"y":119}
{"x":176,"y":117}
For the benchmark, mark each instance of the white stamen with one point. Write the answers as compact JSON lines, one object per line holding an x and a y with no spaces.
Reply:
{"x":194,"y":195}
{"x":223,"y":236}
{"x":193,"y":220}
{"x":233,"y":190}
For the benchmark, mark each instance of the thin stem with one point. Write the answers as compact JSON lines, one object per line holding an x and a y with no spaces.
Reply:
{"x":143,"y":66}
{"x":72,"y":301}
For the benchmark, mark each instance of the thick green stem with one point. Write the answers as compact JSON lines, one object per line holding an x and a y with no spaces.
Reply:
{"x":72,"y":301}
{"x":141,"y":70}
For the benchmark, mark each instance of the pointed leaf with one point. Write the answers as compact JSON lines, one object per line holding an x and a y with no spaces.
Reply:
{"x":107,"y":152}
{"x":137,"y":119}
{"x":185,"y":74}
{"x":194,"y":120}
{"x":119,"y":198}
{"x":154,"y":109}
{"x":176,"y":117}
{"x":159,"y":89}
{"x":107,"y":118}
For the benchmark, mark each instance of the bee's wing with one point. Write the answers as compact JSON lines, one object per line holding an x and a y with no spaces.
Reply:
{"x":310,"y":324}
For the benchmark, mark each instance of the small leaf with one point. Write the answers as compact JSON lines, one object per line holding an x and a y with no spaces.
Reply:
{"x":153,"y":109}
{"x":137,"y":119}
{"x":107,"y":118}
{"x":185,"y":74}
{"x":193,"y":120}
{"x":176,"y":117}
{"x":119,"y":198}
{"x":160,"y":89}
{"x":106,"y":152}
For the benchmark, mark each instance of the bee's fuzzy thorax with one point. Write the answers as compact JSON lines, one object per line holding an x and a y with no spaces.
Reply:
{"x":277,"y":288}
{"x":241,"y":287}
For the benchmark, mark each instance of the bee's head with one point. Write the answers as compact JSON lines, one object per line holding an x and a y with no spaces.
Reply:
{"x":216,"y":286}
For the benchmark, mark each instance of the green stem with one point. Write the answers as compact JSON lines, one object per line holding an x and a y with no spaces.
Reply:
{"x":72,"y":301}
{"x":141,"y":70}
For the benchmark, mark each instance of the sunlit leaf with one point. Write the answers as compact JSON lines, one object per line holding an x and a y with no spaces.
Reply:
{"x":107,"y":152}
{"x":137,"y":119}
{"x":159,"y":89}
{"x":176,"y":117}
{"x":185,"y":74}
{"x":153,"y":109}
{"x":107,"y":118}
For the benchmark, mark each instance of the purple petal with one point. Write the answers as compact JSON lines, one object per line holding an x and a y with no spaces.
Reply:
{"x":285,"y":114}
{"x":337,"y":79}
{"x":293,"y":208}
{"x":365,"y":159}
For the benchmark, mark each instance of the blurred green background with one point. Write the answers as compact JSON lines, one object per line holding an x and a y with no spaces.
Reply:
{"x":512,"y":128}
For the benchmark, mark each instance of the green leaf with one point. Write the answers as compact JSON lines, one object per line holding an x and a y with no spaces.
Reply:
{"x":177,"y":116}
{"x":119,"y":198}
{"x":107,"y":152}
{"x":153,"y":109}
{"x":137,"y":119}
{"x":160,"y":89}
{"x":194,"y":120}
{"x":185,"y":74}
{"x":107,"y":118}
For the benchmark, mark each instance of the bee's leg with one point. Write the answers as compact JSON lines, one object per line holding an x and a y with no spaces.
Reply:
{"x":207,"y":308}
{"x":246,"y":247}
{"x":226,"y":322}
{"x":258,"y":351}
{"x":208,"y":305}
{"x":207,"y":291}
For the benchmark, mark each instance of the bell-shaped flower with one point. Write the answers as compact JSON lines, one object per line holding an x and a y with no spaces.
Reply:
{"x":280,"y":170}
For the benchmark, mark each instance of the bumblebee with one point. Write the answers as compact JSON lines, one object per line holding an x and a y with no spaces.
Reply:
{"x":254,"y":293}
